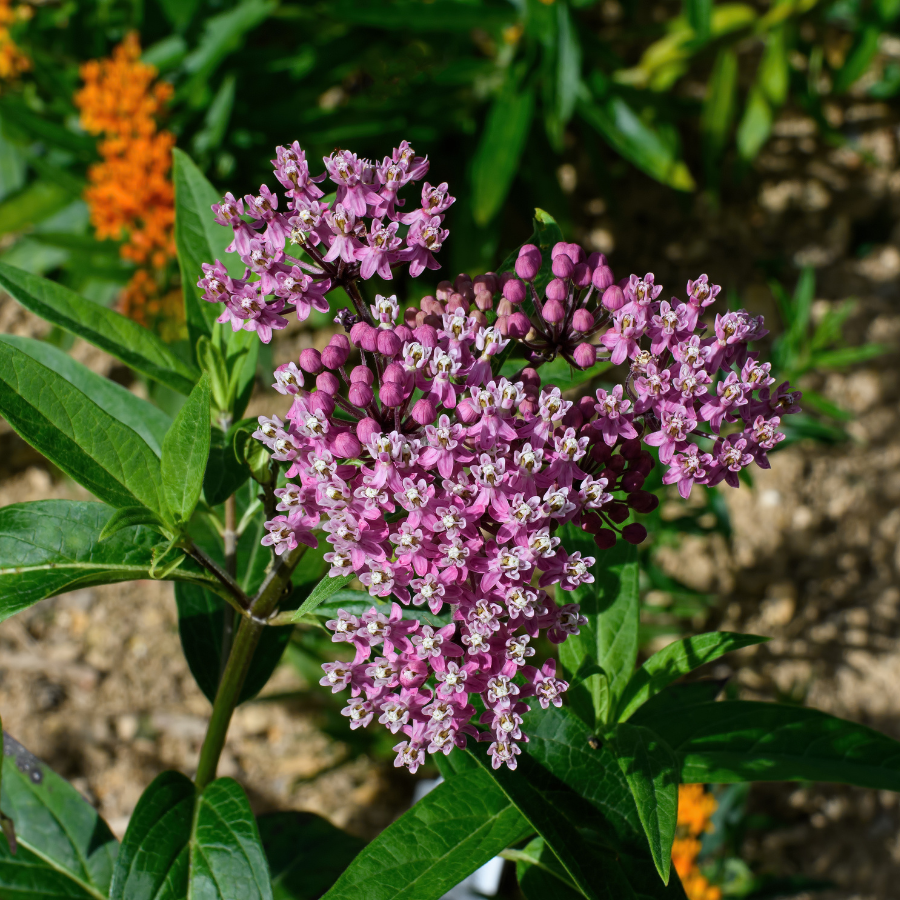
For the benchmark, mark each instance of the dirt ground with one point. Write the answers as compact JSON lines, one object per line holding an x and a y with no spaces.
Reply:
{"x":94,"y":681}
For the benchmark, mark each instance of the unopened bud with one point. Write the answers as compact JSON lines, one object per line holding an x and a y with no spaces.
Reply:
{"x":328,"y":382}
{"x":583,"y":320}
{"x":529,"y":262}
{"x":642,"y":501}
{"x":554,"y":311}
{"x":333,"y":357}
{"x":311,"y":361}
{"x":581,"y":276}
{"x":603,"y":278}
{"x":605,"y":538}
{"x":514,"y":290}
{"x":466,"y":413}
{"x":562,"y":266}
{"x":404,"y":333}
{"x":613,"y":298}
{"x":556,"y":289}
{"x":364,"y":335}
{"x":360,"y":394}
{"x":391,"y":394}
{"x":424,"y":411}
{"x":362,"y":374}
{"x":484,"y":301}
{"x":426,"y":335}
{"x":585,"y":355}
{"x":387,"y":343}
{"x":504,"y":307}
{"x":530,"y":377}
{"x":395,"y":373}
{"x":518,"y":325}
{"x":635,"y":533}
{"x":321,"y":401}
{"x":345,"y":446}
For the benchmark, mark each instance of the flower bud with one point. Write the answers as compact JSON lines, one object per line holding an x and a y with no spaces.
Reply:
{"x":484,"y":301}
{"x":601,"y":451}
{"x":631,"y":449}
{"x":489,"y":280}
{"x":583,"y":320}
{"x":585,"y":355}
{"x":632,"y":481}
{"x":559,"y":249}
{"x":387,"y":343}
{"x":404,"y":333}
{"x":340,"y":340}
{"x":428,"y":305}
{"x":613,"y":298}
{"x":557,"y":289}
{"x":426,"y":336}
{"x":424,"y":411}
{"x":605,"y":538}
{"x":434,"y":320}
{"x":528,"y":407}
{"x":319,"y":400}
{"x":602,"y":277}
{"x":504,"y":307}
{"x":642,"y":502}
{"x":462,"y":282}
{"x":581,"y":276}
{"x":360,"y":394}
{"x":617,"y":464}
{"x":518,"y":325}
{"x":362,"y":374}
{"x":409,"y":316}
{"x":479,"y":317}
{"x":502,"y":324}
{"x":328,"y":382}
{"x":345,"y":446}
{"x":617,"y":511}
{"x":366,"y":428}
{"x":597,"y":259}
{"x":573,"y":418}
{"x":635,"y":533}
{"x":364,"y":335}
{"x":590,"y":523}
{"x":514,"y":290}
{"x":391,"y":394}
{"x":466,"y":413}
{"x":586,"y":405}
{"x":530,"y":377}
{"x":575,"y":253}
{"x":563,"y":267}
{"x":443,"y":290}
{"x":421,"y":315}
{"x":554,"y":311}
{"x":529,"y":262}
{"x":457,"y":301}
{"x":334,"y":357}
{"x":311,"y":361}
{"x":395,"y":373}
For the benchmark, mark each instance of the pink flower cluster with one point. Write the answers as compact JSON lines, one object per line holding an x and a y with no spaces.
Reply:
{"x":354,"y":236}
{"x":440,"y":472}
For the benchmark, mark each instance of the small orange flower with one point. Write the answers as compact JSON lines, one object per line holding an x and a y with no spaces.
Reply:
{"x":130,"y":193}
{"x":695,"y":808}
{"x":13,"y":61}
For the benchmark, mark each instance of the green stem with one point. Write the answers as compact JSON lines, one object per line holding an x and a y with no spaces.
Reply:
{"x":238,"y":665}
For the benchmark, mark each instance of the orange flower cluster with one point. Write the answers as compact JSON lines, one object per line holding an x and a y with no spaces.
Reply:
{"x":695,"y":808}
{"x":131,"y":194}
{"x":12,"y":60}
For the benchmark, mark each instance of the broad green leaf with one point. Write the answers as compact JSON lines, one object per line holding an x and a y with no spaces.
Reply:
{"x":452,"y":831}
{"x":35,"y":202}
{"x":87,"y":443}
{"x":500,"y":147}
{"x":65,"y":850}
{"x":198,"y":240}
{"x":118,"y":335}
{"x":225,"y":473}
{"x":612,"y":607}
{"x":773,"y":68}
{"x":321,"y":592}
{"x":651,"y":769}
{"x":130,"y":517}
{"x":149,"y":421}
{"x":619,"y":125}
{"x":556,"y":813}
{"x":185,"y":451}
{"x":181,"y":843}
{"x":699,"y":16}
{"x":48,"y":547}
{"x":742,"y":740}
{"x":179,"y":12}
{"x":755,"y":125}
{"x":540,"y":874}
{"x":13,"y":164}
{"x":719,"y":109}
{"x":677,"y":696}
{"x":201,"y":623}
{"x":675,"y":660}
{"x":358,"y":602}
{"x":306,"y":853}
{"x":16,"y":112}
{"x":568,"y":65}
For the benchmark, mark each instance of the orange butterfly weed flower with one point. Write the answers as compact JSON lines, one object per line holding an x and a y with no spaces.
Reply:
{"x":13,"y":61}
{"x":130,"y":192}
{"x":695,"y":809}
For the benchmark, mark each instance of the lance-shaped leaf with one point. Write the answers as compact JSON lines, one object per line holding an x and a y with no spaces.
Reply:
{"x":149,"y":421}
{"x":201,"y":620}
{"x":500,"y":147}
{"x":556,"y":813}
{"x":540,"y":874}
{"x":677,"y":659}
{"x":321,"y":592}
{"x":73,"y":432}
{"x":185,"y":451}
{"x":306,"y":853}
{"x":118,"y":335}
{"x":452,"y":831}
{"x":651,"y":769}
{"x":48,"y":547}
{"x":742,"y":740}
{"x":65,"y":850}
{"x":181,"y":843}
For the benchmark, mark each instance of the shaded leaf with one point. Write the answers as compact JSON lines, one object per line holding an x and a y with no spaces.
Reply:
{"x":35,"y":202}
{"x":321,"y":592}
{"x":755,"y":125}
{"x":225,"y":473}
{"x":540,"y":874}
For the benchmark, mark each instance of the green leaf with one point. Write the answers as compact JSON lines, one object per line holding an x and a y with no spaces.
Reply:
{"x":179,"y":12}
{"x":185,"y":451}
{"x":130,"y":517}
{"x":755,"y":125}
{"x":677,"y":696}
{"x":556,"y":813}
{"x":118,"y":335}
{"x":858,"y":60}
{"x":201,"y":623}
{"x":409,"y":15}
{"x":612,"y":607}
{"x":181,"y":844}
{"x":568,"y":65}
{"x":17,"y":113}
{"x":651,"y":769}
{"x":35,"y":202}
{"x":742,"y":740}
{"x":848,"y":356}
{"x":321,"y":592}
{"x":149,"y":421}
{"x":452,"y":831}
{"x":540,"y":874}
{"x":198,"y":240}
{"x":620,"y":126}
{"x":306,"y":853}
{"x":773,"y":68}
{"x":675,"y":660}
{"x":48,"y":547}
{"x":358,"y":602}
{"x":719,"y":109}
{"x":66,"y":426}
{"x":496,"y":159}
{"x":699,"y":16}
{"x":225,"y":473}
{"x":65,"y":850}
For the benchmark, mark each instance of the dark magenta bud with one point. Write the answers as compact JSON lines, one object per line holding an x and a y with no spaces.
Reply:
{"x":573,"y":418}
{"x":466,"y":413}
{"x":529,"y":262}
{"x":333,"y":357}
{"x":319,"y":400}
{"x":586,"y":405}
{"x":581,"y":276}
{"x":613,"y":298}
{"x":364,"y":335}
{"x":631,"y":449}
{"x":554,"y":311}
{"x":340,"y":340}
{"x":366,"y":428}
{"x":557,"y":289}
{"x":404,"y":333}
{"x":602,"y":278}
{"x":391,"y":394}
{"x":632,"y":481}
{"x":642,"y":501}
{"x":426,"y":336}
{"x":575,"y":253}
{"x":518,"y":325}
{"x":360,"y":394}
{"x":387,"y":343}
{"x":424,"y":411}
{"x":618,"y":512}
{"x":563,"y":267}
{"x":328,"y":382}
{"x":635,"y":533}
{"x":395,"y":373}
{"x":530,"y":377}
{"x":605,"y":538}
{"x":585,"y":355}
{"x":591,"y":523}
{"x":558,"y":249}
{"x":596,"y":259}
{"x":345,"y":446}
{"x":583,"y":320}
{"x":362,"y":374}
{"x":311,"y":361}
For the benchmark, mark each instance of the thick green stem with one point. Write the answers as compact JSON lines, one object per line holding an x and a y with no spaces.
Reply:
{"x":229,"y":539}
{"x":235,"y":673}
